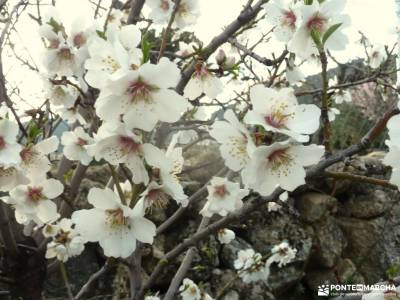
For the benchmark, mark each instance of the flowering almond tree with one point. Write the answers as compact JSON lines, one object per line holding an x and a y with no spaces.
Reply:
{"x":135,"y":94}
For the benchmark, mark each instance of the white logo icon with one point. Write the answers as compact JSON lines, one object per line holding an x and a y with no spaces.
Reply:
{"x":323,"y":290}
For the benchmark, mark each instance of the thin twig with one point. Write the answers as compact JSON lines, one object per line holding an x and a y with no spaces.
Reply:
{"x":168,"y":29}
{"x":360,"y":178}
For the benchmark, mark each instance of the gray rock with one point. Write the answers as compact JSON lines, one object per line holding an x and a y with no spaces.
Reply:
{"x":344,"y":272}
{"x":370,"y":205}
{"x":366,"y":247}
{"x":314,"y":206}
{"x":328,"y":243}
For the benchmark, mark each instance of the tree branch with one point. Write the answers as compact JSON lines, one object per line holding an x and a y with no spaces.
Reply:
{"x":244,"y":17}
{"x":134,"y":13}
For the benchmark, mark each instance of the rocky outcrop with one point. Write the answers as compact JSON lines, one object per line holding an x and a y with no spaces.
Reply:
{"x":344,"y":232}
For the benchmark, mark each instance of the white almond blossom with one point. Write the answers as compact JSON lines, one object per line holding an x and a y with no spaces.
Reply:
{"x":224,"y":61}
{"x":236,"y":143}
{"x":280,"y":165}
{"x":34,"y":161}
{"x":293,"y":73}
{"x":273,"y":206}
{"x":332,"y":113}
{"x":61,"y":95}
{"x":250,"y":266}
{"x":75,"y":143}
{"x":33,"y":202}
{"x":319,"y":17}
{"x":9,"y":148}
{"x":189,"y":290}
{"x":282,"y":254}
{"x":285,"y":16}
{"x":164,"y":175}
{"x":117,"y":54}
{"x":64,"y":60}
{"x":143,"y":96}
{"x":341,"y":96}
{"x":203,"y":81}
{"x":186,"y":49}
{"x":225,"y":236}
{"x":115,"y":226}
{"x":81,"y":33}
{"x":10,"y":177}
{"x":187,"y":13}
{"x":71,"y":115}
{"x":65,"y":240}
{"x":377,"y":55}
{"x":116,"y":17}
{"x":160,"y":10}
{"x":224,"y":196}
{"x":123,"y":146}
{"x":151,"y":298}
{"x":279,"y":111}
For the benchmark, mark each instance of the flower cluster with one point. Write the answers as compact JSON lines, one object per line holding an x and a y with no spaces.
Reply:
{"x":299,"y":25}
{"x":190,"y":291}
{"x":250,"y":266}
{"x":253,"y":267}
{"x":65,"y":240}
{"x":280,"y":164}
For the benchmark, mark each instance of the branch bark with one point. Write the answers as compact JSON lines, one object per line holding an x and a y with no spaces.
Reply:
{"x":244,"y":17}
{"x":134,"y":13}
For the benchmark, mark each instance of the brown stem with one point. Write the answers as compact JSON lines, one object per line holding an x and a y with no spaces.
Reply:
{"x":360,"y":178}
{"x":168,"y":30}
{"x":134,"y":13}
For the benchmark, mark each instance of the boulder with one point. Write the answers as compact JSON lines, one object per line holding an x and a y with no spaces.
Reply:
{"x":328,"y":243}
{"x":314,"y":206}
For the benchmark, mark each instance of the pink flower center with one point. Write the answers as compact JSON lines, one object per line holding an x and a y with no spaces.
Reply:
{"x":79,"y":40}
{"x":81,"y":142}
{"x":201,"y":71}
{"x":116,"y":218}
{"x":65,"y":54}
{"x":2,"y":143}
{"x":220,"y":191}
{"x":62,"y":237}
{"x":26,"y":154}
{"x":164,"y":5}
{"x":35,"y":194}
{"x":279,"y":160}
{"x":277,"y":119}
{"x":129,"y":144}
{"x":139,"y":90}
{"x":289,"y":18}
{"x":317,"y":23}
{"x":157,"y":198}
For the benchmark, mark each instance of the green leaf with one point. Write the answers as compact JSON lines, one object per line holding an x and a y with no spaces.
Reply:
{"x":329,"y":32}
{"x":33,"y":131}
{"x":308,"y":2}
{"x":101,"y":34}
{"x":57,"y":27}
{"x":146,"y":46}
{"x":316,"y":38}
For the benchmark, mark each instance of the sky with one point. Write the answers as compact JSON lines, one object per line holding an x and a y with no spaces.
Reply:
{"x":376,"y":19}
